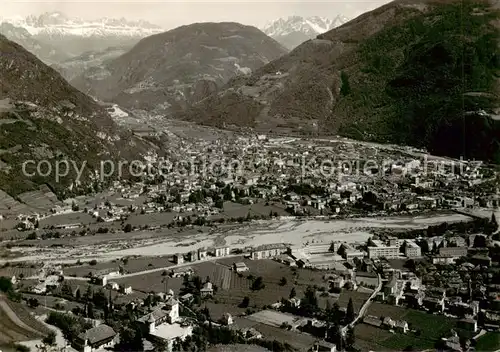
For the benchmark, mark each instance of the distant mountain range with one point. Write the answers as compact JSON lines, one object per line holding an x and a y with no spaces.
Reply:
{"x":169,"y":71}
{"x":58,"y":24}
{"x":295,"y":30}
{"x":74,"y":36}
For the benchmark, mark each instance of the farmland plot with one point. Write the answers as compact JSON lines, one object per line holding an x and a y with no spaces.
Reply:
{"x":219,"y":275}
{"x":278,"y":279}
{"x":300,"y":341}
{"x":358,"y":299}
{"x":17,"y":271}
{"x":429,"y":329}
{"x":16,"y":324}
{"x":133,"y":265}
{"x":152,"y":282}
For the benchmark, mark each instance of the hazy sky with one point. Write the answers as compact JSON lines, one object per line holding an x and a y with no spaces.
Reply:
{"x":169,"y":14}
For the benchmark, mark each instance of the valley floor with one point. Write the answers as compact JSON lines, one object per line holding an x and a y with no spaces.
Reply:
{"x":106,"y":247}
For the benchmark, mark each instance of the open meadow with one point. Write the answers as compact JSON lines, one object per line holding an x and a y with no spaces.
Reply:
{"x":425,"y":328}
{"x":489,"y":342}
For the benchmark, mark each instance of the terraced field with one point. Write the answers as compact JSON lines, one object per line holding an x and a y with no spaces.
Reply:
{"x":17,"y":325}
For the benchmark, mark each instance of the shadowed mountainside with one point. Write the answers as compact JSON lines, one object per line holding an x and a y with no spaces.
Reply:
{"x":417,"y":72}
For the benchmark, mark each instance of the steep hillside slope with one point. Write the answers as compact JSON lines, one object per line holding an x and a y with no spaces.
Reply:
{"x":46,"y":52}
{"x":168,"y":71}
{"x":75,"y":66}
{"x":42,"y":117}
{"x":419,"y":72}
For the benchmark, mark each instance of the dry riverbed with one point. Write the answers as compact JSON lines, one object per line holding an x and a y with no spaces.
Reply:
{"x":291,"y":231}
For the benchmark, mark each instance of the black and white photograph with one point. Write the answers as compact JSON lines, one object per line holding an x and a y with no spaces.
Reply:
{"x":250,"y":176}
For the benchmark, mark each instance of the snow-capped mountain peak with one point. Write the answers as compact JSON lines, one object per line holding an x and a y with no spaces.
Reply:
{"x":310,"y":26}
{"x":58,"y":24}
{"x":294,"y":30}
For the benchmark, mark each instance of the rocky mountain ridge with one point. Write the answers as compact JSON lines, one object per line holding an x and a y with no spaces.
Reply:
{"x":294,"y":30}
{"x":74,"y":36}
{"x":58,"y":24}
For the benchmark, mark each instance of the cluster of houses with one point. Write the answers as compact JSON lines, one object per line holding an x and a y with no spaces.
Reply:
{"x":390,"y":186}
{"x":321,"y":256}
{"x":162,"y":323}
{"x":387,"y":322}
{"x":201,"y":254}
{"x":102,"y":277}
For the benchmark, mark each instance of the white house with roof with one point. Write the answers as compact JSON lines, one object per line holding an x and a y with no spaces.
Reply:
{"x":207,"y":290}
{"x":165,"y":324}
{"x":240,"y":267}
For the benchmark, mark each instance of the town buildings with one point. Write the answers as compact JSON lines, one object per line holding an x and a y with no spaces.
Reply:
{"x":97,"y":338}
{"x":377,"y":249}
{"x":221,"y":251}
{"x":165,"y":324}
{"x":348,"y":252}
{"x":412,"y":250}
{"x":268,"y":251}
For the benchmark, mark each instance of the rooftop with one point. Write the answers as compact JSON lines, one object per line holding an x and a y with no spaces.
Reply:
{"x":156,"y":314}
{"x":171,"y":331}
{"x":99,"y":333}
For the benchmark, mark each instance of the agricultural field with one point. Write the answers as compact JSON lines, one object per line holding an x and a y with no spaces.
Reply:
{"x":220,"y":275}
{"x":133,"y":265}
{"x":16,"y":324}
{"x":64,"y":219}
{"x":152,"y":282}
{"x":155,"y":219}
{"x":427,"y":329}
{"x":489,"y":342}
{"x":386,"y":310}
{"x":53,"y":302}
{"x":272,"y":318}
{"x":217,"y":309}
{"x":302,"y":342}
{"x":235,"y":210}
{"x":18,"y":271}
{"x":370,"y":338}
{"x":232,"y":287}
{"x":358,"y":299}
{"x":271,"y":273}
